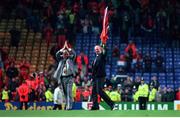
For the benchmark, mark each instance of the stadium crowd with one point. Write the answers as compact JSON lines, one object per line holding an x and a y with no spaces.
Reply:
{"x":64,"y":19}
{"x":61,"y":20}
{"x":40,"y":86}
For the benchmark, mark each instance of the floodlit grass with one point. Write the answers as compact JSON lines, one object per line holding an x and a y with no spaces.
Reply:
{"x":85,"y":113}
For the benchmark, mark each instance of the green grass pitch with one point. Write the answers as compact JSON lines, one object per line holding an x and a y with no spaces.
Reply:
{"x":85,"y":113}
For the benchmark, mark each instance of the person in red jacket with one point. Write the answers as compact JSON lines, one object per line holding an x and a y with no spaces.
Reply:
{"x":23,"y":92}
{"x":82,"y":63}
{"x":31,"y":81}
{"x":130,"y":54}
{"x":41,"y":78}
{"x":86,"y":94}
{"x":78,"y":95}
{"x":178,"y":94}
{"x":131,"y":50}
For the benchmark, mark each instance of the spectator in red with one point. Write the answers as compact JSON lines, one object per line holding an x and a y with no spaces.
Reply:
{"x":48,"y":33}
{"x":40,"y":79}
{"x":178,"y":94}
{"x":86,"y":94}
{"x":31,"y":82}
{"x":78,"y":95}
{"x":131,"y":50}
{"x":23,"y":92}
{"x":82,"y":63}
{"x":24,"y":68}
{"x":130,"y":54}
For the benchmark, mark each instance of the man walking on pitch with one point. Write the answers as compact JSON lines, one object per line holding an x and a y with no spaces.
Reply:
{"x":65,"y":73}
{"x":98,"y":74}
{"x":98,"y":67}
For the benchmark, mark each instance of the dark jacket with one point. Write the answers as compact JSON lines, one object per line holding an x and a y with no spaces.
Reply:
{"x":155,"y":84}
{"x":98,"y":66}
{"x":12,"y":72}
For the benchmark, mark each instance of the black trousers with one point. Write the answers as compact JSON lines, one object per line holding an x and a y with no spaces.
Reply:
{"x":23,"y":104}
{"x":98,"y":89}
{"x":142,"y":103}
{"x":57,"y":106}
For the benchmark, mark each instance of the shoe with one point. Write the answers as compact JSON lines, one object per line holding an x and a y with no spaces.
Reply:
{"x":95,"y":108}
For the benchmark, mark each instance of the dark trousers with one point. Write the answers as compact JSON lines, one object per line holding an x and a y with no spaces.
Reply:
{"x":98,"y":89}
{"x":23,"y":104}
{"x":142,"y":103}
{"x":57,"y":106}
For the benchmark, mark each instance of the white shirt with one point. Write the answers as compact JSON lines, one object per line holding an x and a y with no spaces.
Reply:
{"x":59,"y":96}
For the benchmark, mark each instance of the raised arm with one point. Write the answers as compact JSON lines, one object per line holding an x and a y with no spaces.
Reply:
{"x":72,"y":53}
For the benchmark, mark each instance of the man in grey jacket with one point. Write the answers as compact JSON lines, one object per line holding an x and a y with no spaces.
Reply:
{"x":65,"y":73}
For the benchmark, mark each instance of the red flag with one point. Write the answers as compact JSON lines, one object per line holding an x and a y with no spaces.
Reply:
{"x":104,"y":35}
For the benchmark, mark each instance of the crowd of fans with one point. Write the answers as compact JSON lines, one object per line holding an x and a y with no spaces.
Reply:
{"x":39,"y":86}
{"x":62,"y":20}
{"x":131,"y":60}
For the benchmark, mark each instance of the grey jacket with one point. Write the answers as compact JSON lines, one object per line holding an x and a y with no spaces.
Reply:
{"x":69,"y":63}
